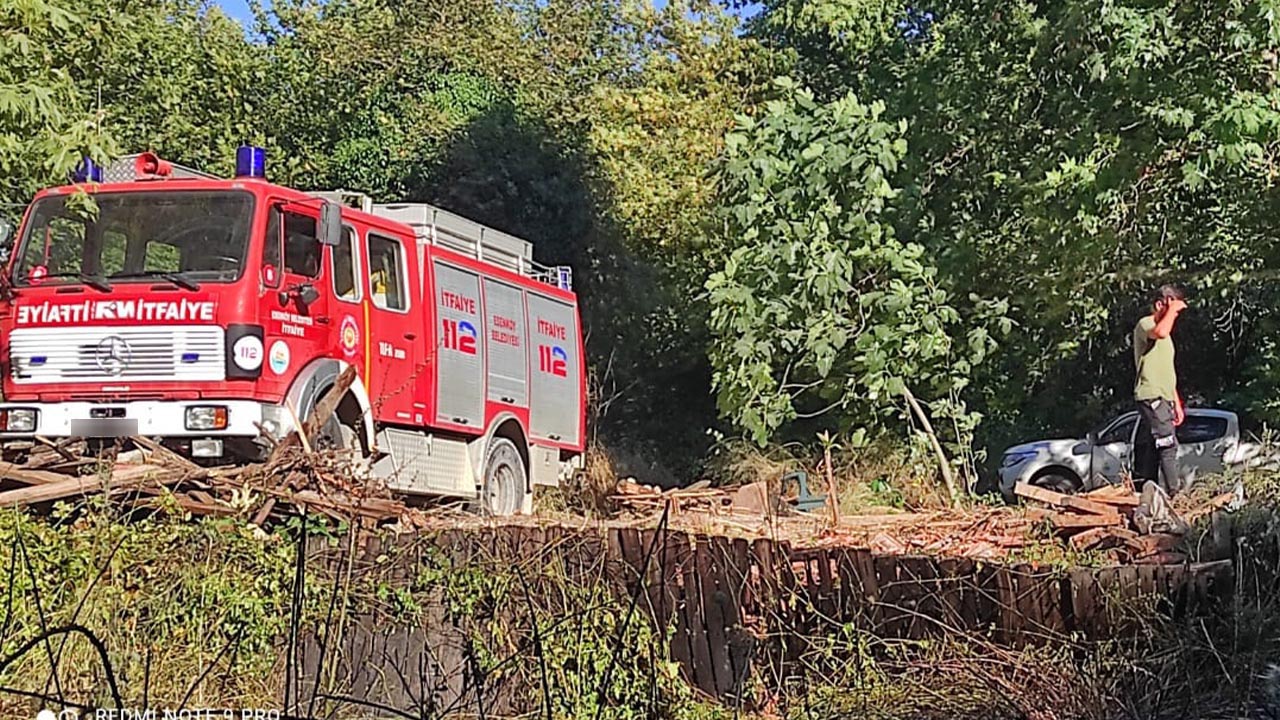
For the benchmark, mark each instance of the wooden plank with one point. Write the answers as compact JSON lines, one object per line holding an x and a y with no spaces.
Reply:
{"x":1101,"y":537}
{"x":966,"y":581}
{"x":1039,"y":494}
{"x":828,"y":604}
{"x":17,"y":473}
{"x":1084,"y":606}
{"x":166,"y":456}
{"x":1009,"y":624}
{"x":1027,"y":588}
{"x":717,"y":611}
{"x":949,"y":597}
{"x":924,"y":593}
{"x":703,"y":671}
{"x":740,"y":575}
{"x":771,"y":612}
{"x":674,"y":550}
{"x":1114,"y":495}
{"x":1085,"y":505}
{"x":796,"y":626}
{"x":1071,"y":521}
{"x":891,"y":621}
{"x":63,"y":489}
{"x":848,"y":586}
{"x":1060,"y":500}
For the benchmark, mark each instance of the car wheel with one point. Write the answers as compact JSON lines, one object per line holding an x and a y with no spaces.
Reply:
{"x":504,"y":479}
{"x":1057,"y":482}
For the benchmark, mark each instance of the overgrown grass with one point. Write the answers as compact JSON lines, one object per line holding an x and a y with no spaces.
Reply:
{"x":197,"y":613}
{"x":167,"y":596}
{"x":879,"y":477}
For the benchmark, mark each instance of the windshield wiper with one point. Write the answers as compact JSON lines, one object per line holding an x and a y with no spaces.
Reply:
{"x":176,"y":278}
{"x":97,"y":282}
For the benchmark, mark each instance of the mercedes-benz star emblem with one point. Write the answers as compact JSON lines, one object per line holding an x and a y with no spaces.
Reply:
{"x":113,"y":354}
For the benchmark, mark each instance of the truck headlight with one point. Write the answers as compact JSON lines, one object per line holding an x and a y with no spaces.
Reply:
{"x":207,"y":417}
{"x":1015,"y":459}
{"x":18,"y":420}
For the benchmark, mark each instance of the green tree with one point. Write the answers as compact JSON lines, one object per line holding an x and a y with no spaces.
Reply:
{"x":46,"y":123}
{"x":820,"y":309}
{"x":1073,"y":155}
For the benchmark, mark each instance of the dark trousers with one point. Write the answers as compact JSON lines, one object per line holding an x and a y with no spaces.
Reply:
{"x":1157,"y":437}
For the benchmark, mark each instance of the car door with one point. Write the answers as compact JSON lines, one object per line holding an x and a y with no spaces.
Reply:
{"x":1113,"y":450}
{"x":1202,"y":443}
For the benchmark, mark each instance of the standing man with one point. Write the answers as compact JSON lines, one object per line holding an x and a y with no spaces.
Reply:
{"x":1156,"y":390}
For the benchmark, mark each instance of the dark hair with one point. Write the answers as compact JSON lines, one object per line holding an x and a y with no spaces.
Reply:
{"x":1168,"y":292}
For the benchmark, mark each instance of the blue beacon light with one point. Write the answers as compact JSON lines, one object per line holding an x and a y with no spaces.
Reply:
{"x":251,"y":162}
{"x":87,"y":171}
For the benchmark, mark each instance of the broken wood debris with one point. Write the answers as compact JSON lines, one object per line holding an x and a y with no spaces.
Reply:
{"x":156,"y":477}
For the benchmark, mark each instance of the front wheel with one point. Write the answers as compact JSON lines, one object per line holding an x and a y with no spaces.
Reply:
{"x":344,"y":442}
{"x":1057,"y":482}
{"x":504,"y":479}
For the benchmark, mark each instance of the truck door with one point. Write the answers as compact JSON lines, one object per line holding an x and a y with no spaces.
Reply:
{"x":460,"y":351}
{"x":393,"y":334}
{"x":556,"y":393}
{"x":292,"y":260}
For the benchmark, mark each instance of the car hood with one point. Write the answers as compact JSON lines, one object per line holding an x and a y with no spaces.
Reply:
{"x":1052,"y":447}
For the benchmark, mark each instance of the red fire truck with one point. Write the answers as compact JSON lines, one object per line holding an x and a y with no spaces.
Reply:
{"x":213,"y":314}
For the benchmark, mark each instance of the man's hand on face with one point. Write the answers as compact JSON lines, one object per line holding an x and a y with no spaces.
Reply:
{"x":1176,"y":306}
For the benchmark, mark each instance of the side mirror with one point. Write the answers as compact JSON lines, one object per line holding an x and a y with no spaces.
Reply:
{"x":330,"y":223}
{"x":308,"y":294}
{"x":1081,"y":448}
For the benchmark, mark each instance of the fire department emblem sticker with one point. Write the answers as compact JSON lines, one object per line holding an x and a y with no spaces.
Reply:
{"x":350,"y":336}
{"x":279,"y":357}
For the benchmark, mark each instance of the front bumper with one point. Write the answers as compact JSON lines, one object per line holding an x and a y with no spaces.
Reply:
{"x":1011,"y":476}
{"x":249,"y":424}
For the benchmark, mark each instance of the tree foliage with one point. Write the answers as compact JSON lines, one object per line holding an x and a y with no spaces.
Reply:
{"x":1071,"y":156}
{"x":820,"y":309}
{"x":934,"y":176}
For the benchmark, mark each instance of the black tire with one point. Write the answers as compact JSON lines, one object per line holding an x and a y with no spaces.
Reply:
{"x":505,"y":479}
{"x":339,"y":437}
{"x":331,"y":436}
{"x":1057,"y":482}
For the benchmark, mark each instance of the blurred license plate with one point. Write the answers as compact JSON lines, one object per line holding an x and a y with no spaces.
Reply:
{"x":105,"y":427}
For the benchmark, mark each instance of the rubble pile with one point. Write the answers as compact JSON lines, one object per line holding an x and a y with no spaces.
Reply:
{"x":294,"y":477}
{"x":1124,"y":525}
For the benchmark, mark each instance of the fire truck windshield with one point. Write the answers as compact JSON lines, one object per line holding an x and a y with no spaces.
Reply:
{"x":181,"y":235}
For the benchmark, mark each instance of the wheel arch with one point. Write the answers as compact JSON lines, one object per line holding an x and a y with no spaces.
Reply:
{"x":1056,"y":469}
{"x":317,"y":378}
{"x":504,"y":425}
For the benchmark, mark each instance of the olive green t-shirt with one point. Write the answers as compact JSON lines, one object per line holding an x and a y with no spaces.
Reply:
{"x":1154,"y":359}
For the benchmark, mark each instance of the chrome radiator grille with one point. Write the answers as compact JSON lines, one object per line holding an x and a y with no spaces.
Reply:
{"x":105,"y":354}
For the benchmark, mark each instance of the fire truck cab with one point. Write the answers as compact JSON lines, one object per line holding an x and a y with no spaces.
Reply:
{"x":213,"y":314}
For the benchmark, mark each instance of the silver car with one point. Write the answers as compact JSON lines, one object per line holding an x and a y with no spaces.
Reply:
{"x":1208,"y":442}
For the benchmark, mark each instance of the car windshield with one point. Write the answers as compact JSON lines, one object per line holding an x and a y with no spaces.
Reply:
{"x":133,"y":236}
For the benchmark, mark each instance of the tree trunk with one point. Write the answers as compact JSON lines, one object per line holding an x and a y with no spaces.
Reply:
{"x":947,"y":477}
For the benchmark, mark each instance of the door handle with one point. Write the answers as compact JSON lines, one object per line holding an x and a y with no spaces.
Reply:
{"x":509,"y":400}
{"x":461,"y":421}
{"x":322,"y":319}
{"x":410,"y":336}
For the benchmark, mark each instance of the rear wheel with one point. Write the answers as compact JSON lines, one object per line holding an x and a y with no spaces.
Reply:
{"x":504,"y":479}
{"x":1057,"y":482}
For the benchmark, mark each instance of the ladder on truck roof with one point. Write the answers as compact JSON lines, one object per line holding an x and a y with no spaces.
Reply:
{"x":435,"y":226}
